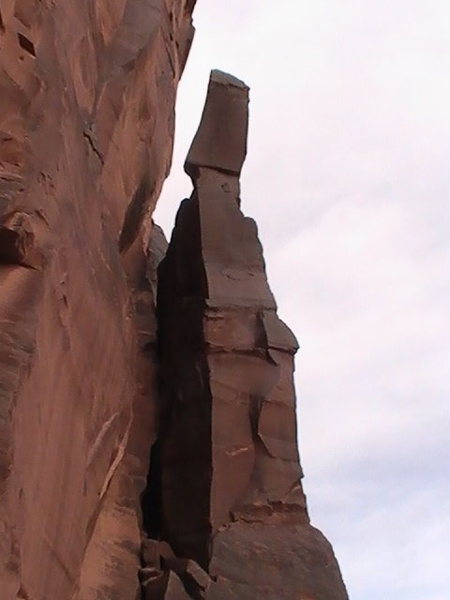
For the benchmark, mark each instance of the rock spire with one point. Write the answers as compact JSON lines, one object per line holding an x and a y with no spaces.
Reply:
{"x":230,"y":478}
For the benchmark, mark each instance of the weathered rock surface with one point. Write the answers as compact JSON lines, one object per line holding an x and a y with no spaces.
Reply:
{"x":87,"y":92}
{"x":108,"y":489}
{"x":231,"y":496}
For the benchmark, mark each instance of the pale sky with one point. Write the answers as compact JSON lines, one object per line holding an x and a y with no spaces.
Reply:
{"x":348,"y":178}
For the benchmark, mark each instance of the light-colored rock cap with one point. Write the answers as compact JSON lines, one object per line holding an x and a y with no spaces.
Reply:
{"x":221,"y":139}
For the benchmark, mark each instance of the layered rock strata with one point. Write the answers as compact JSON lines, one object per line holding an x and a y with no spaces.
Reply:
{"x":228,"y":474}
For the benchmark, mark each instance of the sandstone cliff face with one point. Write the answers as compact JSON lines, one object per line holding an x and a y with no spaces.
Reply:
{"x":87,"y":92}
{"x":99,"y":404}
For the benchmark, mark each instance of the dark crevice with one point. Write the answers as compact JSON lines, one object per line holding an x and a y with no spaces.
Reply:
{"x":14,"y":248}
{"x":151,"y":497}
{"x":26,"y":44}
{"x":93,"y":147}
{"x":175,"y":501}
{"x":10,"y":251}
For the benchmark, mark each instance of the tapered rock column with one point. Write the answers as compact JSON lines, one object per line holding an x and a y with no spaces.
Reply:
{"x":231,"y":496}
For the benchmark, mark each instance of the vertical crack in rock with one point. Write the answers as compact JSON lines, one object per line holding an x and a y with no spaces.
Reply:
{"x":228,"y":477}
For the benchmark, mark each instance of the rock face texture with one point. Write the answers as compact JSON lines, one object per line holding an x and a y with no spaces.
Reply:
{"x":231,"y":497}
{"x":145,"y":453}
{"x":87,"y":93}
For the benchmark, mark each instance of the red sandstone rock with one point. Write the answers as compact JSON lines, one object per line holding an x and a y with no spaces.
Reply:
{"x":231,"y":496}
{"x":219,"y":142}
{"x":87,"y":93}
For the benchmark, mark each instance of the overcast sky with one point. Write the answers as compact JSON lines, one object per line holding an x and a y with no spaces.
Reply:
{"x":348,"y":178}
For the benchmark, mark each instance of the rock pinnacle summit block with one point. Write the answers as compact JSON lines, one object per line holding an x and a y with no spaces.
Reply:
{"x":219,"y":142}
{"x":230,"y":477}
